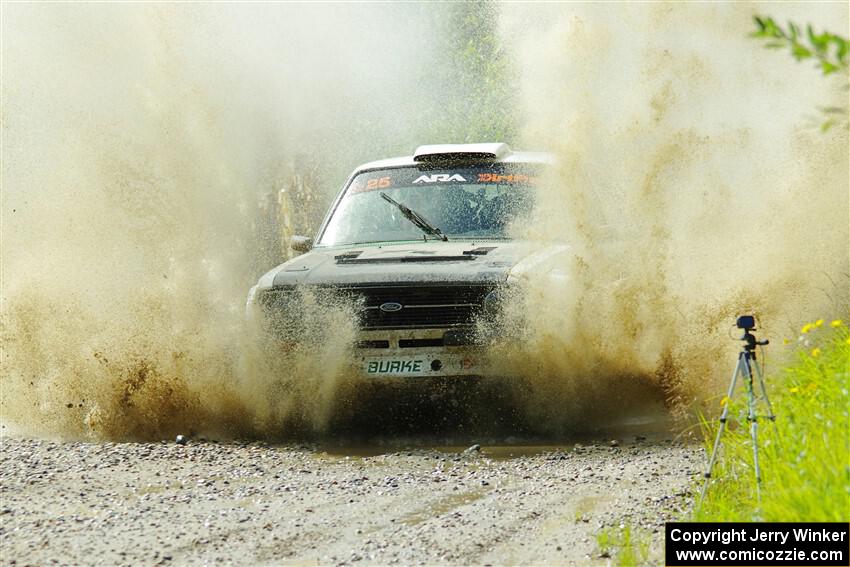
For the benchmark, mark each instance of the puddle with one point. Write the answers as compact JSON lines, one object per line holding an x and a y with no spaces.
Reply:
{"x":440,"y":507}
{"x":653,"y":428}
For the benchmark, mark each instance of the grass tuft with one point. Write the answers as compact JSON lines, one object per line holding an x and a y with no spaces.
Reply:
{"x":628,"y":548}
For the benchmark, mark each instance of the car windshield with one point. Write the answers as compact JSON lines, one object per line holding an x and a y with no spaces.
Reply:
{"x":471,"y":202}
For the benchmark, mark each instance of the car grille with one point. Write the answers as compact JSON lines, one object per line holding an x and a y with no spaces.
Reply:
{"x":422,"y":307}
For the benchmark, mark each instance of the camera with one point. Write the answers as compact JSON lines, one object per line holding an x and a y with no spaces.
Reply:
{"x":747,"y":322}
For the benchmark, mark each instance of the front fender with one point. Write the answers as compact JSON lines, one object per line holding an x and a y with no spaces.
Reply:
{"x":251,"y":307}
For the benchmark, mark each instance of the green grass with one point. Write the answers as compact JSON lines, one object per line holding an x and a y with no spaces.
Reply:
{"x":627,"y":548}
{"x":805,"y":454}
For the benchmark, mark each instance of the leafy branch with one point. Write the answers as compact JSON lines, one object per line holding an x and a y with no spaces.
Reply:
{"x":828,"y":50}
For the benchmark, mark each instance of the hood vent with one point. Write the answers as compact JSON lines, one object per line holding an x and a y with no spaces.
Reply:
{"x":348,"y":256}
{"x":480,"y":251}
{"x":349,"y":259}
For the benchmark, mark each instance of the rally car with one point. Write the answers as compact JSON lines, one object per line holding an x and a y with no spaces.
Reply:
{"x":424,"y":249}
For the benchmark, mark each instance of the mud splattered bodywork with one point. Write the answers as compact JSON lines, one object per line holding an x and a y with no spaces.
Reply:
{"x":421,"y":249}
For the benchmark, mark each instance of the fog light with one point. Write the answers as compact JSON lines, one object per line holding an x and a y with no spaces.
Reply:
{"x":458,"y":338}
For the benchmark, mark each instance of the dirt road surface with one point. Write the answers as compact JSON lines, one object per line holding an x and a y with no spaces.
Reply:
{"x":251,"y":503}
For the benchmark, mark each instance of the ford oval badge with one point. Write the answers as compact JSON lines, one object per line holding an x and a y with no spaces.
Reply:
{"x":390,"y":307}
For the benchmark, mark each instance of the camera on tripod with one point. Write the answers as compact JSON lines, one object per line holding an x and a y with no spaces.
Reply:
{"x":748,"y":324}
{"x":749,"y":368}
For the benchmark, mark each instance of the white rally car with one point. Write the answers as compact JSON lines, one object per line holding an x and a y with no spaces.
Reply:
{"x":422,"y":248}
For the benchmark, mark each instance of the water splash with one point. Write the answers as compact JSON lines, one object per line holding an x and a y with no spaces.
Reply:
{"x":138,"y":137}
{"x":690,"y":189}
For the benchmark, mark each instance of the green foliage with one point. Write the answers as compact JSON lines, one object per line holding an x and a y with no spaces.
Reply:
{"x":628,"y":548}
{"x":804,"y":454}
{"x":828,"y":50}
{"x":472,"y":79}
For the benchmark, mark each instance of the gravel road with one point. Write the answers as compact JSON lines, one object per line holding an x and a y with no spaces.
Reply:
{"x":251,"y":503}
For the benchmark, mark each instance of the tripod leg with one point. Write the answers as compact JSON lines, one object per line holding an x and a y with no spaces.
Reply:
{"x":770,"y":415}
{"x":720,"y":429}
{"x":760,"y":374}
{"x":753,"y":419}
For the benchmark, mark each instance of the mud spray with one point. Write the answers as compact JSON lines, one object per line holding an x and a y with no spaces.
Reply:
{"x":691,"y":188}
{"x":140,"y":143}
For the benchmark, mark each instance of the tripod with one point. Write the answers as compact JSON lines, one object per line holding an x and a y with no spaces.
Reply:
{"x":746,"y":362}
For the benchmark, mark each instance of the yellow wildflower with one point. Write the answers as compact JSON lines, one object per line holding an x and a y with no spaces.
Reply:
{"x":819,"y":322}
{"x":794,"y":390}
{"x":786,"y":341}
{"x":815,"y":352}
{"x":835,"y":323}
{"x":848,"y":341}
{"x":806,"y":328}
{"x":812,"y":387}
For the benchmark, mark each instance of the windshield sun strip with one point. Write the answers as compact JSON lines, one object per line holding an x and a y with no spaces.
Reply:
{"x":523,"y":166}
{"x":454,"y":238}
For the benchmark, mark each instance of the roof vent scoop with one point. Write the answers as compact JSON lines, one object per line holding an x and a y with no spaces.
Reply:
{"x":461,"y":152}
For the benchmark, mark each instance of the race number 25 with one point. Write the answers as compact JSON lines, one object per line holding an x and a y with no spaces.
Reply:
{"x":378,"y":183}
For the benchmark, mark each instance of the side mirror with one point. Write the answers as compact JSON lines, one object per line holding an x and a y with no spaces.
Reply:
{"x":301,"y":243}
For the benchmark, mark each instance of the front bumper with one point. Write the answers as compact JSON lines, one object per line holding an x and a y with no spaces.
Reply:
{"x":420,"y":353}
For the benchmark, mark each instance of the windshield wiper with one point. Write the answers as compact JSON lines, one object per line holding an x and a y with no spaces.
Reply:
{"x":417,"y":219}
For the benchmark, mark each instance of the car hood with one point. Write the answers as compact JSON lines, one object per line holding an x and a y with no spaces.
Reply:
{"x":425,"y":262}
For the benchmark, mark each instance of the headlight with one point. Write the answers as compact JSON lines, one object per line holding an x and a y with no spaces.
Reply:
{"x":490,"y":318}
{"x":499,"y":313}
{"x":492,"y":304}
{"x":282,"y":312}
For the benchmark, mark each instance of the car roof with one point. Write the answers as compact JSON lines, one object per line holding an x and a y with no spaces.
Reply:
{"x":467,"y":153}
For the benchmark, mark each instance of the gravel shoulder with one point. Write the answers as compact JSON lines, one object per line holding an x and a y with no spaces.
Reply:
{"x":208,"y":502}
